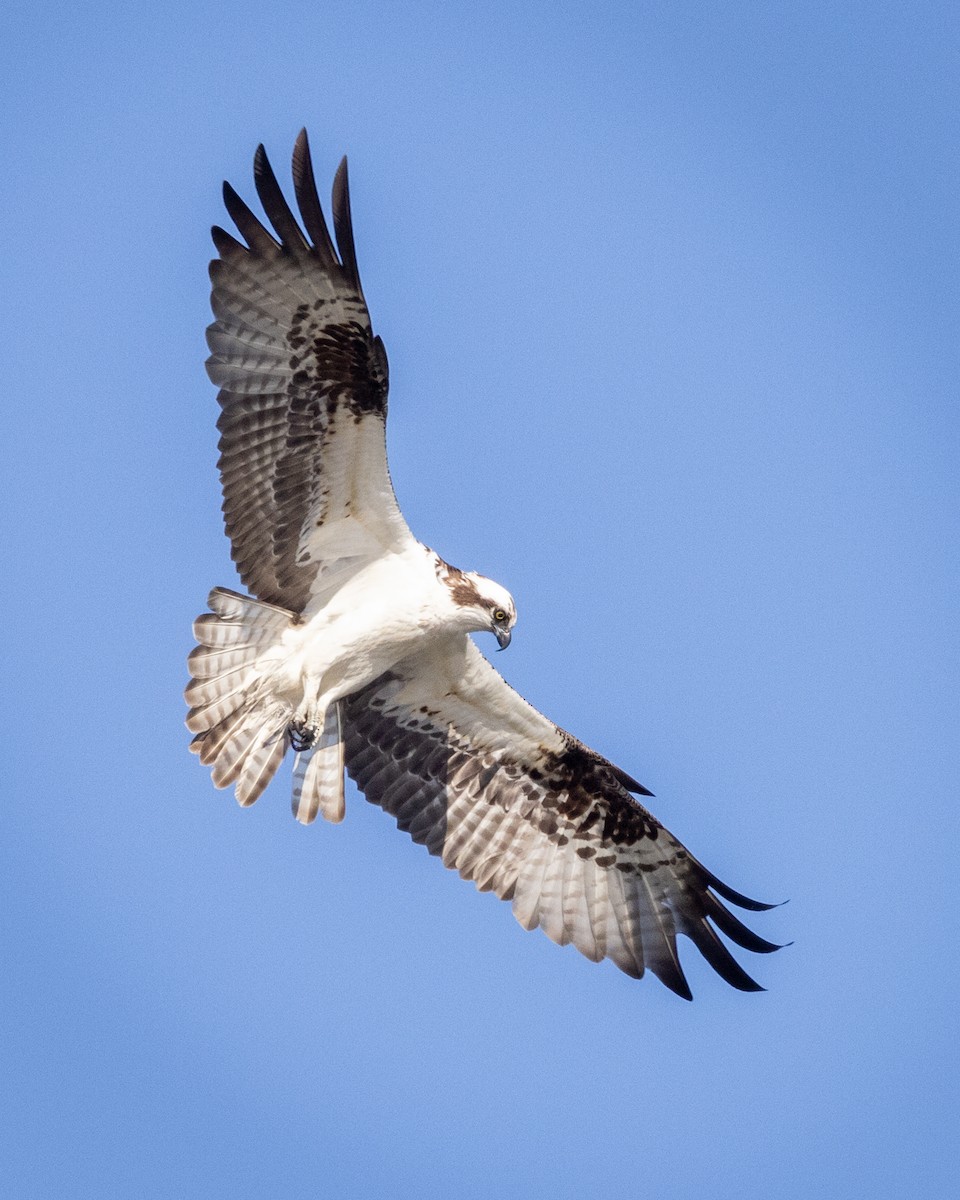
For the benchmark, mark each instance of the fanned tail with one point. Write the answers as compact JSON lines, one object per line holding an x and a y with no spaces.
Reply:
{"x":239,"y":730}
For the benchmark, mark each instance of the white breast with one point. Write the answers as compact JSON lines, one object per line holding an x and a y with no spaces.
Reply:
{"x":375,"y":619}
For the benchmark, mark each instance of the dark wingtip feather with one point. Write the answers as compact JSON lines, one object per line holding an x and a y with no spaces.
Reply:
{"x":660,"y":955}
{"x":275,"y":204}
{"x":735,"y":897}
{"x":225,"y":242}
{"x":257,"y":236}
{"x":343,"y":223}
{"x":233,"y":202}
{"x":735,"y":929}
{"x":675,"y":981}
{"x":308,"y":200}
{"x":720,"y":958}
{"x":630,"y":783}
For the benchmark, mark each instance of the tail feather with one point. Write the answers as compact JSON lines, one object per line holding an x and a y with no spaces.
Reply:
{"x":239,"y":729}
{"x":208,"y":743}
{"x":204,"y":691}
{"x":260,"y":619}
{"x":229,"y":762}
{"x":260,"y":765}
{"x":207,"y":663}
{"x":318,"y":774}
{"x":206,"y":716}
{"x":210,"y":631}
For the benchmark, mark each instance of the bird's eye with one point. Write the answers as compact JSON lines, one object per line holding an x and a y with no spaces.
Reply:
{"x":499,"y":614}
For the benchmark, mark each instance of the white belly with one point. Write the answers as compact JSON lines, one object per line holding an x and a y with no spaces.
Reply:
{"x":377,"y":618}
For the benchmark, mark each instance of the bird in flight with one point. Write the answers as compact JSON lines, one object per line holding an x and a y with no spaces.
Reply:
{"x":354,"y":649}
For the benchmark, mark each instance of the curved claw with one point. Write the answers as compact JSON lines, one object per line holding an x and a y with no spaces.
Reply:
{"x":301,"y":735}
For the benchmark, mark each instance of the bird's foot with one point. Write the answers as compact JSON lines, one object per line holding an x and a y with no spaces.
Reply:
{"x":302,"y":735}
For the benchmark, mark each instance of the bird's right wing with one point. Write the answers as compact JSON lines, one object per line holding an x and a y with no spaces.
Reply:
{"x":484,"y":780}
{"x":306,"y":489}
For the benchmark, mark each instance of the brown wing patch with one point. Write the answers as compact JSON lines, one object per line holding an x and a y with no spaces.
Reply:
{"x":340,"y":365}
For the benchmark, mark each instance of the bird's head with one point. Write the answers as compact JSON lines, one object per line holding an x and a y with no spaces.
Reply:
{"x":490,"y":606}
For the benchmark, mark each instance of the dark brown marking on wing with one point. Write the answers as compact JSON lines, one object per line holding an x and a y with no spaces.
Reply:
{"x":576,"y":777}
{"x":341,"y":364}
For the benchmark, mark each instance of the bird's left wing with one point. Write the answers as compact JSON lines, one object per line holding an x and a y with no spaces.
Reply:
{"x":484,"y":780}
{"x":303,"y":388}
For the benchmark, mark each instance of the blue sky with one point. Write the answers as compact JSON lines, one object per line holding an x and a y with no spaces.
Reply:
{"x":669,"y":294}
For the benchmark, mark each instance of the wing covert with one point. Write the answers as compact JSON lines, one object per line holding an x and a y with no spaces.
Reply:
{"x":303,"y":391}
{"x":481,"y":778}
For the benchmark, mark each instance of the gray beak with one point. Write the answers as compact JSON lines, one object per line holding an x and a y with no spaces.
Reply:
{"x":503,"y":637}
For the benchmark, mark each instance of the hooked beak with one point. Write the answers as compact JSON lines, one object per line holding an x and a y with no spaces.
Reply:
{"x":503,"y":637}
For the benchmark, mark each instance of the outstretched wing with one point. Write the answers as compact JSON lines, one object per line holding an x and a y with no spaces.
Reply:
{"x":523,"y":809}
{"x":306,"y":490}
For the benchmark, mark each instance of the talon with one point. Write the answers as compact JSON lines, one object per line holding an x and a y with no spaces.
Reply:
{"x":301,"y":735}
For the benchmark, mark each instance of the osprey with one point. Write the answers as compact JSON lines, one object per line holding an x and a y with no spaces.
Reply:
{"x":354,"y":650}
